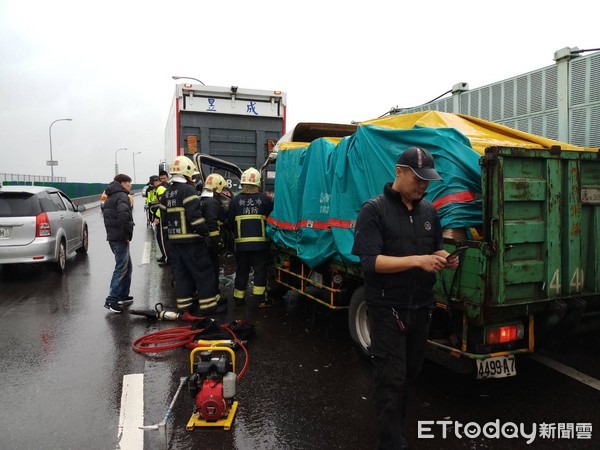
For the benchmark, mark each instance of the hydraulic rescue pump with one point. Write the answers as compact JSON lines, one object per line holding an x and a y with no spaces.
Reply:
{"x":212,"y":385}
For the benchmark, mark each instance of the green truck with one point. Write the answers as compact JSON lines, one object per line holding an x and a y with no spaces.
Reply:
{"x":532,"y":267}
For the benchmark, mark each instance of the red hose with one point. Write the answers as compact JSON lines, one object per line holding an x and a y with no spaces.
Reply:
{"x":171,"y":338}
{"x":164,"y":340}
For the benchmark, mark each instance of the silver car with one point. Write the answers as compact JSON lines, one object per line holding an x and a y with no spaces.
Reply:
{"x":40,"y":224}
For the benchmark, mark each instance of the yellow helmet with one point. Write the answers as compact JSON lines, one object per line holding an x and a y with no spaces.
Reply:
{"x":215,"y":182}
{"x":182,"y":165}
{"x":251,"y":176}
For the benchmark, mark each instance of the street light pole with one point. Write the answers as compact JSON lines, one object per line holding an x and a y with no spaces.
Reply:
{"x":133,"y":154}
{"x":188,"y":78}
{"x":117,"y":164}
{"x":53,"y":163}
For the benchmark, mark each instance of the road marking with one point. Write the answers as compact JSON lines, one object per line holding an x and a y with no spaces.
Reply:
{"x":130,"y":436}
{"x":569,"y":371}
{"x":147,"y":252}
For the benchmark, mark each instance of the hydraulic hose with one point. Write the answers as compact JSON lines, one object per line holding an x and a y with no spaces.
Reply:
{"x":172,"y":338}
{"x":163,"y":340}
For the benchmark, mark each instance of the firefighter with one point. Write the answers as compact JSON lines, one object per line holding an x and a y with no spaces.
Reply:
{"x":161,"y":229}
{"x":212,"y":211}
{"x":248,"y":212}
{"x":190,"y":262}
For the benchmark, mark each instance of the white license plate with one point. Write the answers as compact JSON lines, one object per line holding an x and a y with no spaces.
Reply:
{"x":497,"y":367}
{"x":4,"y":232}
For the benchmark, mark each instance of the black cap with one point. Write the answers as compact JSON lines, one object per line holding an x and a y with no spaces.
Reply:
{"x":154,"y":178}
{"x":122,"y":178}
{"x":421,"y":163}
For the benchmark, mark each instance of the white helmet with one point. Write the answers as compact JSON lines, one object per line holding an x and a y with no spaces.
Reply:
{"x":215,"y":182}
{"x":182,"y":165}
{"x":251,"y":176}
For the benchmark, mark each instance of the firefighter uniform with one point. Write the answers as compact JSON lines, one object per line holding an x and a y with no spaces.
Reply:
{"x":212,"y":211}
{"x":187,"y":233}
{"x":248,"y":217}
{"x":160,"y":229}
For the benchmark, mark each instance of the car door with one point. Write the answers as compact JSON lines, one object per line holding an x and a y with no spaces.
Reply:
{"x":61,"y":220}
{"x":208,"y":164}
{"x":75,"y":222}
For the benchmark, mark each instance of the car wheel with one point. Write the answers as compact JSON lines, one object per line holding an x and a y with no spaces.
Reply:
{"x":84,"y":241}
{"x":358,"y":322}
{"x":61,"y":262}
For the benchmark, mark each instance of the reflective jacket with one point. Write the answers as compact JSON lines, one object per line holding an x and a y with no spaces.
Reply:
{"x":247,"y":218}
{"x":153,"y":198}
{"x":182,"y":218}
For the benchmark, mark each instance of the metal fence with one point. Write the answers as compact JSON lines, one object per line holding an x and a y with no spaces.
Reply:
{"x":30,"y":178}
{"x":560,"y":102}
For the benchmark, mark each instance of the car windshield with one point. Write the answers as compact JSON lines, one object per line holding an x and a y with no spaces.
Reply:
{"x":19,"y":204}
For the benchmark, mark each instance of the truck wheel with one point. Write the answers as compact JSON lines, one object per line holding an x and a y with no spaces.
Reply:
{"x":358,"y":322}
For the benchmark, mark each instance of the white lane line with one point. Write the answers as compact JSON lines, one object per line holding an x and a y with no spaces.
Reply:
{"x":147,"y":252}
{"x":568,"y":371}
{"x":130,"y":436}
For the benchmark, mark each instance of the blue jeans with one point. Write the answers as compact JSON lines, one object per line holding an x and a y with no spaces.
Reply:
{"x":121,"y":278}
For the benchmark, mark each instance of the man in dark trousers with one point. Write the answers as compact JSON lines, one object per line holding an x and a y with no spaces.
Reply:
{"x":398,"y":237}
{"x":248,"y":212}
{"x":212,"y":210}
{"x":191,"y":265}
{"x":118,"y":220}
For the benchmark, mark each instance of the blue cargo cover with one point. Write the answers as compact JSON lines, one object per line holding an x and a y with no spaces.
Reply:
{"x":319,"y":188}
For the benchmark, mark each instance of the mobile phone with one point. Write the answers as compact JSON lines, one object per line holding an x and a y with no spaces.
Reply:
{"x":459,"y":251}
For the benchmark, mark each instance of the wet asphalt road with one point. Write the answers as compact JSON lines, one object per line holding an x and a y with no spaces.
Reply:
{"x":65,"y":357}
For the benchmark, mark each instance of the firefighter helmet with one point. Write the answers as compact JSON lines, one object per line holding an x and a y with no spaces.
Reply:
{"x":182,"y":165}
{"x":215,"y":182}
{"x":251,"y":176}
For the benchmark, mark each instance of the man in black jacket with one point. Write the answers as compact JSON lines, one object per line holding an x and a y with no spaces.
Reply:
{"x":213,"y":212}
{"x":118,"y":220}
{"x":398,"y":237}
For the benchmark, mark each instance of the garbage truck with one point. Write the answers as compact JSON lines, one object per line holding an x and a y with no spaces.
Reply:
{"x":527,"y":208}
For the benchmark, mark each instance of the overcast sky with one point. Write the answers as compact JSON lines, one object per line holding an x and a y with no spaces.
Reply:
{"x":108,"y":65}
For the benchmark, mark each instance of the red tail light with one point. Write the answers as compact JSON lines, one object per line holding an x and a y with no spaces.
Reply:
{"x":42,"y":225}
{"x":503,"y":334}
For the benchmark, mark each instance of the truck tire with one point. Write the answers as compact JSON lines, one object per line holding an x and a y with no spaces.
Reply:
{"x":358,"y":322}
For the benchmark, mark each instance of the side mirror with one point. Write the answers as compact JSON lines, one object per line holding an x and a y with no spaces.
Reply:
{"x":81,"y":208}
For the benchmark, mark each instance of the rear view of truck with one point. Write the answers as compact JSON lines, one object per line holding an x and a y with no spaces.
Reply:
{"x":533,"y":273}
{"x":527,"y":211}
{"x":235,"y":124}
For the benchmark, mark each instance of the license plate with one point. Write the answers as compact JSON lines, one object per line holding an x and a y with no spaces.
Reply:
{"x":4,"y":232}
{"x":497,"y":367}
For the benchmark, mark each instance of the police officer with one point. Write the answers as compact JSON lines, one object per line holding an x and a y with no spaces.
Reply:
{"x":159,"y":226}
{"x":191,"y":265}
{"x":212,"y":211}
{"x":151,"y":198}
{"x":248,"y":212}
{"x":398,"y":237}
{"x":147,"y":195}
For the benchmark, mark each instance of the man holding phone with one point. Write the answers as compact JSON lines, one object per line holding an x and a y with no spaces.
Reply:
{"x":398,"y":237}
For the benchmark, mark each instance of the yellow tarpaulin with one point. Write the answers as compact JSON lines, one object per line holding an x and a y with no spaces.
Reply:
{"x":481,"y":133}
